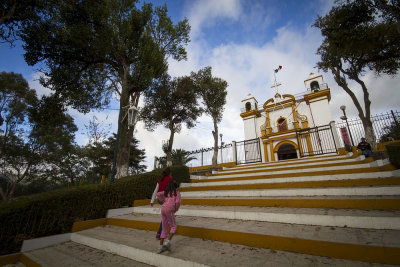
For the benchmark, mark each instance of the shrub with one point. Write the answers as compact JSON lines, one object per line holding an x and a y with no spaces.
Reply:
{"x":394,"y":154}
{"x":55,"y":212}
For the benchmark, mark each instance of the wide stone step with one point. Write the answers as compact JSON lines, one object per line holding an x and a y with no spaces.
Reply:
{"x":348,"y":170}
{"x":316,"y":159}
{"x":372,"y":219}
{"x":298,"y":165}
{"x":346,"y":243}
{"x":324,"y":202}
{"x":289,"y":178}
{"x":294,"y":192}
{"x":292,"y":182}
{"x":374,"y":237}
{"x":75,"y":254}
{"x":191,"y":251}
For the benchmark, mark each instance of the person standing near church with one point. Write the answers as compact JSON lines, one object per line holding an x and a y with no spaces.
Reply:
{"x":365,"y":148}
{"x":160,"y":187}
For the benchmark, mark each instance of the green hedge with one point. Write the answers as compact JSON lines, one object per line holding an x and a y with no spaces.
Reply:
{"x":55,"y":212}
{"x":393,"y":151}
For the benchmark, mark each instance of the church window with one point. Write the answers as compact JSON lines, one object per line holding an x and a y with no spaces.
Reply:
{"x":282,"y":125}
{"x":248,"y":106}
{"x":314,"y":86}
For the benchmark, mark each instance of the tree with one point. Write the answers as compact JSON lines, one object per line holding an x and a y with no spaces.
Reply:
{"x":15,"y":98}
{"x":95,"y":48}
{"x":390,"y":10}
{"x":96,"y":131}
{"x":357,"y":39}
{"x":100,"y":158}
{"x":213,"y":94}
{"x":392,"y":132}
{"x":14,"y":13}
{"x":136,"y":158}
{"x":67,"y":166}
{"x":180,"y":157}
{"x":32,"y":131}
{"x":171,"y":102}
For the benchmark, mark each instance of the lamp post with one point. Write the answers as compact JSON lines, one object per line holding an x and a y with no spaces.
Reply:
{"x":344,"y":117}
{"x":220,"y":135}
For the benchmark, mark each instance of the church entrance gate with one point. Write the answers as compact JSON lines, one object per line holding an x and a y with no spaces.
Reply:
{"x":287,"y":151}
{"x":316,"y":141}
{"x":248,"y":151}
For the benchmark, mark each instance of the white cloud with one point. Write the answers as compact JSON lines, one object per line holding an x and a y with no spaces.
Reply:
{"x":35,"y":84}
{"x":207,"y":13}
{"x":248,"y":68}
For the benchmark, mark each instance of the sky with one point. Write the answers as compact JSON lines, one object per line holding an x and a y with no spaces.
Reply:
{"x":243,"y":41}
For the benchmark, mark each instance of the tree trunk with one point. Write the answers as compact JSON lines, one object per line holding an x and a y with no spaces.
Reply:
{"x":366,"y":119}
{"x":169,"y":151}
{"x":369,"y":132}
{"x":124,"y":133}
{"x":367,"y":123}
{"x":3,"y":194}
{"x":215,"y":155}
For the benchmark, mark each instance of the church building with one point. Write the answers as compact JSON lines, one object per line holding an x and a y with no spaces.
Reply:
{"x":291,"y":126}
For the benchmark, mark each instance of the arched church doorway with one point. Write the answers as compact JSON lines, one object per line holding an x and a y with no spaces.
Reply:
{"x":287,"y":151}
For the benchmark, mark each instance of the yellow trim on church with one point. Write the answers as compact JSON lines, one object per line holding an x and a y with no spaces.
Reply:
{"x":255,"y":112}
{"x":266,"y":151}
{"x":313,"y":78}
{"x":322,"y":93}
{"x":271,"y":148}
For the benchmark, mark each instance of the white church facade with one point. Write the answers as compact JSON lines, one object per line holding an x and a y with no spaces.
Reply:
{"x":289,"y":126}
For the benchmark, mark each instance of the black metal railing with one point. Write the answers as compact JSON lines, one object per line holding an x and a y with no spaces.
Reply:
{"x":203,"y":157}
{"x":321,"y":140}
{"x":380,"y":124}
{"x":316,"y":141}
{"x":248,"y":151}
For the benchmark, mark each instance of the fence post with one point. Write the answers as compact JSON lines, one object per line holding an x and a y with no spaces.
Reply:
{"x":335,"y":134}
{"x":262,"y":149}
{"x":234,"y":156}
{"x":202,"y":157}
{"x":394,"y":117}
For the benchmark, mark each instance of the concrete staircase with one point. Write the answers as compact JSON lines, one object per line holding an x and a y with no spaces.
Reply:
{"x":328,"y":210}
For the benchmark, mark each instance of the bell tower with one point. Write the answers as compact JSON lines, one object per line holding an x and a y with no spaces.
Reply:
{"x":317,"y":98}
{"x":249,"y":103}
{"x":314,"y":83}
{"x":249,"y":114}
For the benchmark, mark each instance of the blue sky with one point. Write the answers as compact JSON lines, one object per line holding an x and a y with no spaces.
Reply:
{"x":243,"y":41}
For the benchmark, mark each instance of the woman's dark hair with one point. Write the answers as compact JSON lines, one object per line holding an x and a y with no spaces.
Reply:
{"x":171,"y":188}
{"x":165,"y":172}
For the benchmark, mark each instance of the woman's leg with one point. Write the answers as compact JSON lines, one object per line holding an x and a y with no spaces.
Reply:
{"x":164,"y":222}
{"x":159,"y":228}
{"x":172,"y":224}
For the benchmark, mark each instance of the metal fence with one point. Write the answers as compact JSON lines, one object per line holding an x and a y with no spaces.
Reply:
{"x":248,"y":151}
{"x":203,"y":157}
{"x":380,"y":123}
{"x":316,"y":141}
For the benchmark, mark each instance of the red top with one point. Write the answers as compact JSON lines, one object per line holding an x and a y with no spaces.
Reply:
{"x":162,"y":185}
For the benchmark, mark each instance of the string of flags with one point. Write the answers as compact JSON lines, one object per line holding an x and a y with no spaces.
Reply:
{"x":278,"y":69}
